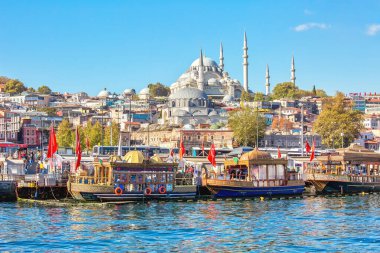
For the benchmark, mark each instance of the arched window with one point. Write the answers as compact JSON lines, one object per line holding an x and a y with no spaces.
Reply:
{"x":173,"y":103}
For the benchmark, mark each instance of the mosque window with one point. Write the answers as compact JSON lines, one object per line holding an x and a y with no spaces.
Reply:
{"x":173,"y":104}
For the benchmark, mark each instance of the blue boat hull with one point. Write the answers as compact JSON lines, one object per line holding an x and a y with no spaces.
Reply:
{"x":255,"y":192}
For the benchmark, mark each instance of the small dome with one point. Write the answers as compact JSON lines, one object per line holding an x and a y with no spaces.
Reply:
{"x":207,"y":62}
{"x":188,"y":127}
{"x":104,"y":93}
{"x":228,"y":98}
{"x":180,"y":113}
{"x":128,"y":92}
{"x":254,"y":155}
{"x":133,"y":156}
{"x":155,"y":159}
{"x":188,"y":93}
{"x":144,"y":91}
{"x":213,"y":113}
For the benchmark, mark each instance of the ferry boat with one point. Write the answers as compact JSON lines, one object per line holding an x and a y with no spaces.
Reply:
{"x":349,"y":170}
{"x":132,"y":178}
{"x":254,"y":174}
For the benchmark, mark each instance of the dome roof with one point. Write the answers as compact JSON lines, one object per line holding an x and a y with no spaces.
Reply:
{"x":155,"y":159}
{"x":255,"y":154}
{"x":188,"y":93}
{"x":144,"y":91}
{"x":134,"y":156}
{"x":207,"y":62}
{"x":188,"y":127}
{"x":180,"y":112}
{"x":104,"y":93}
{"x":128,"y":92}
{"x":212,"y":81}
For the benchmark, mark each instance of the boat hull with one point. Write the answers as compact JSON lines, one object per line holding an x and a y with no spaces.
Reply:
{"x":104,"y":193}
{"x":8,"y":190}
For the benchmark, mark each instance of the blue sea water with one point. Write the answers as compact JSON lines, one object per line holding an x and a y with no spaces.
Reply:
{"x":321,"y":224}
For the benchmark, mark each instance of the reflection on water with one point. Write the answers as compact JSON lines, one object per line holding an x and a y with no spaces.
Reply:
{"x":348,"y":224}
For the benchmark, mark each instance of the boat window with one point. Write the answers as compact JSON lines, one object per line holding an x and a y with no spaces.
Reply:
{"x":271,"y":171}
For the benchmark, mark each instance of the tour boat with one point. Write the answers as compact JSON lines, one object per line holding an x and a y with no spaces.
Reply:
{"x":254,"y":174}
{"x":349,"y":170}
{"x":132,"y":178}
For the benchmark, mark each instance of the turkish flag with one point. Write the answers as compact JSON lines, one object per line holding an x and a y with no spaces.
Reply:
{"x":212,"y":155}
{"x":181,"y":150}
{"x":312,"y":156}
{"x":53,"y":146}
{"x":307,"y":147}
{"x":278,"y":152}
{"x":78,"y":150}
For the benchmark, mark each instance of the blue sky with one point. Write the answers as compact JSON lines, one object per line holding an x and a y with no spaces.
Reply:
{"x":89,"y":45}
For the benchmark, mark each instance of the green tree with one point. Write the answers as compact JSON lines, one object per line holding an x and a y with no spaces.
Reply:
{"x":259,"y":97}
{"x":337,"y":118}
{"x":321,"y":93}
{"x":158,"y":90}
{"x":30,"y":89}
{"x":115,"y":134}
{"x":245,"y":124}
{"x":44,"y":90}
{"x":4,"y":79}
{"x":285,"y":90}
{"x":51,"y":111}
{"x":246,"y":97}
{"x":65,"y":134}
{"x":96,"y":133}
{"x":314,"y":91}
{"x":14,"y":86}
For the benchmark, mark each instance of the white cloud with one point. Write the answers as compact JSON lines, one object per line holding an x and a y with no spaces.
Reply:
{"x":373,"y":29}
{"x":309,"y":26}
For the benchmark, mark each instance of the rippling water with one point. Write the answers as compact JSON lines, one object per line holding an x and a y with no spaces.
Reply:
{"x":346,"y":224}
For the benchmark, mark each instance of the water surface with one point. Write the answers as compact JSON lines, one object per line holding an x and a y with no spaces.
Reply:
{"x":333,"y":224}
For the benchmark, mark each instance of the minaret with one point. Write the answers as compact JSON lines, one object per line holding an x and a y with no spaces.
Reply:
{"x":221,"y":57}
{"x":200,"y":70}
{"x":245,"y":63}
{"x":293,"y":72}
{"x":267,"y":83}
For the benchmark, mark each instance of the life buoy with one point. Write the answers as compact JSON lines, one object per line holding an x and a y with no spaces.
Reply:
{"x":148,"y":191}
{"x":118,"y":191}
{"x":162,"y":190}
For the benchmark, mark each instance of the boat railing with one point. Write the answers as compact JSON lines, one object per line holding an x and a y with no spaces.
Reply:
{"x":184,"y":181}
{"x":365,"y":178}
{"x":11,"y":177}
{"x":89,"y":180}
{"x":245,"y":182}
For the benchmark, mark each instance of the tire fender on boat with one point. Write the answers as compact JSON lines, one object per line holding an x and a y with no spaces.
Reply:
{"x":162,"y":190}
{"x":148,"y":191}
{"x":118,"y":191}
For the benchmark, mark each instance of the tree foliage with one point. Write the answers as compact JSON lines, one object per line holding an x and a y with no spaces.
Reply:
{"x":51,"y":111}
{"x":4,"y":79}
{"x":245,"y":123}
{"x":65,"y":134}
{"x":291,"y":91}
{"x":14,"y":86}
{"x":44,"y":90}
{"x":337,"y":118}
{"x":282,"y":124}
{"x":30,"y":89}
{"x":259,"y":97}
{"x":246,"y":97}
{"x":158,"y":90}
{"x":115,"y":134}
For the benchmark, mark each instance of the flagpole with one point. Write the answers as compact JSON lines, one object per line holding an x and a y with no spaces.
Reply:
{"x":75,"y":160}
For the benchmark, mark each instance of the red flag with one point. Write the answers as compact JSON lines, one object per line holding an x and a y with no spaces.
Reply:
{"x":53,"y":146}
{"x":87,"y":143}
{"x":181,"y":150}
{"x":278,"y":152}
{"x":212,"y":155}
{"x":78,"y":151}
{"x":307,"y":147}
{"x":312,"y":156}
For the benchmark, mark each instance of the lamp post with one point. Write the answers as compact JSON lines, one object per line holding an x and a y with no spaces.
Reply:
{"x":109,"y":123}
{"x":302,"y":129}
{"x":342,"y":134}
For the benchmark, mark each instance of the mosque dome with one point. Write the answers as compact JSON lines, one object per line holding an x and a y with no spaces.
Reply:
{"x":144,"y":91}
{"x":128,"y":92}
{"x":188,"y":93}
{"x":104,"y":93}
{"x":188,"y":127}
{"x":213,"y":113}
{"x":255,"y":154}
{"x":207,"y":62}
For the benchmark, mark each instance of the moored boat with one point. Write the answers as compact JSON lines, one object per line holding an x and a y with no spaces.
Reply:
{"x":132,"y":178}
{"x":254,"y":174}
{"x":350,"y":170}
